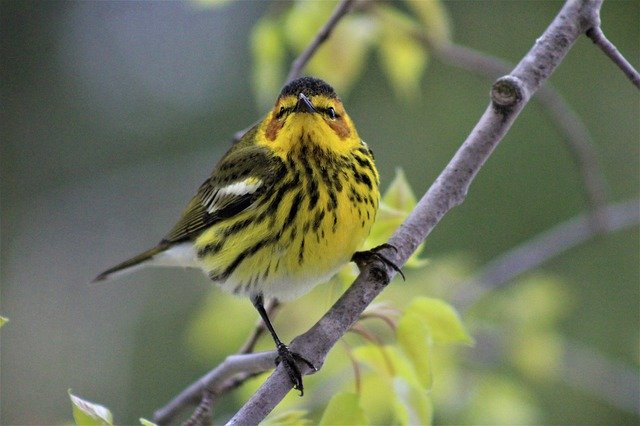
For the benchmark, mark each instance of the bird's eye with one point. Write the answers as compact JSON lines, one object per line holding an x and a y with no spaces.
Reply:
{"x":280,"y":113}
{"x":332,"y":113}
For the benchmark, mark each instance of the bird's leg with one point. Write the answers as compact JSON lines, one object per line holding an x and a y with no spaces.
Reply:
{"x":285,"y":356}
{"x":361,"y":258}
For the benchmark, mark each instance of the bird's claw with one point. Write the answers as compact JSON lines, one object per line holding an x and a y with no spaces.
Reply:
{"x":290,"y":362}
{"x":362,"y":257}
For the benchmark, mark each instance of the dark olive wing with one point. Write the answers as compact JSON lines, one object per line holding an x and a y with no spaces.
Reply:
{"x":237,"y":182}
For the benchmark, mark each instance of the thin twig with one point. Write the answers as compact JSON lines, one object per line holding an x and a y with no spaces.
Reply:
{"x":392,"y":323}
{"x":216,"y":379}
{"x":366,"y":334}
{"x":509,"y":96}
{"x":612,"y":52}
{"x":541,"y":248}
{"x":579,"y":366}
{"x":202,"y":415}
{"x":301,"y":61}
{"x":357,"y":374}
{"x":609,"y":380}
{"x":206,"y":384}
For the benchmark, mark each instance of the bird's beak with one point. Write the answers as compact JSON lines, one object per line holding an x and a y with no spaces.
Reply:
{"x":304,"y":104}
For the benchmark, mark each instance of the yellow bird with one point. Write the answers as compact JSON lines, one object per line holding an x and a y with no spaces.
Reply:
{"x":288,"y":205}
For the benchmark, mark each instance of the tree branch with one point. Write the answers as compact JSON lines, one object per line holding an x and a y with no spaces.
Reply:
{"x":609,"y":380}
{"x":215,"y":380}
{"x":540,"y":249}
{"x":575,"y":133}
{"x":509,"y":95}
{"x":219,"y":380}
{"x":595,"y":33}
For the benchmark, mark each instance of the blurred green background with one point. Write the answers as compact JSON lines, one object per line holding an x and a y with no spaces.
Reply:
{"x":114,"y":112}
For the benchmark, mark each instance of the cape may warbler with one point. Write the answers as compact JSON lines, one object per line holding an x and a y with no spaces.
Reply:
{"x":284,"y":209}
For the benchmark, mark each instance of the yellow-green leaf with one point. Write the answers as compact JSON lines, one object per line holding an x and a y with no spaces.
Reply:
{"x":3,"y":321}
{"x":388,"y":361}
{"x":399,"y":195}
{"x":89,"y":413}
{"x":434,"y":18}
{"x":344,"y":409}
{"x":376,"y":357}
{"x":396,"y":204}
{"x":288,"y":418}
{"x":267,"y":46}
{"x":413,"y":404}
{"x":401,"y":55}
{"x":376,"y":397}
{"x":404,"y":61}
{"x":145,"y":422}
{"x":387,"y":221}
{"x":415,"y":341}
{"x":441,"y":319}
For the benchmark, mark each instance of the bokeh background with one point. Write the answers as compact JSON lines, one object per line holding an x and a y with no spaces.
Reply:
{"x":114,"y":112}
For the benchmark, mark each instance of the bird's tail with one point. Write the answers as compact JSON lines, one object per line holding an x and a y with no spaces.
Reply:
{"x":131,"y":264}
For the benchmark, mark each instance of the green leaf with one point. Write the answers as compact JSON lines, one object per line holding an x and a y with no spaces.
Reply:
{"x":415,"y":341}
{"x":399,"y":195}
{"x":343,"y":409}
{"x":288,"y":418}
{"x":89,"y":413}
{"x":267,"y":46}
{"x":145,"y":422}
{"x":433,"y":15}
{"x":376,"y":357}
{"x":404,"y":61}
{"x":413,"y":405}
{"x":388,"y":361}
{"x":441,"y":319}
{"x":387,"y":221}
{"x":402,"y":57}
{"x":396,"y":204}
{"x":3,"y":321}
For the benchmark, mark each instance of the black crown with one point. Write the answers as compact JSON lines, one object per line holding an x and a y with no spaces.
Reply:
{"x":310,"y":86}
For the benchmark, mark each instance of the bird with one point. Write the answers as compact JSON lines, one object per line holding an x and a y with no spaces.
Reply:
{"x":288,"y":205}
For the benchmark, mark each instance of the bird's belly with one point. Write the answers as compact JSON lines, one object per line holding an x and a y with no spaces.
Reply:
{"x":286,"y":259}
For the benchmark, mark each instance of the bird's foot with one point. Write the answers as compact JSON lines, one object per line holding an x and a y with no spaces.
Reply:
{"x":290,"y":361}
{"x":363,"y":257}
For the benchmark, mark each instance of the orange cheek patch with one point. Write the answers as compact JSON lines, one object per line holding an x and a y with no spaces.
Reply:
{"x":273,"y":128}
{"x":341,"y":129}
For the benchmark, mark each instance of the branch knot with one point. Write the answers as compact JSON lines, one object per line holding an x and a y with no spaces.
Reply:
{"x":507,"y":92}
